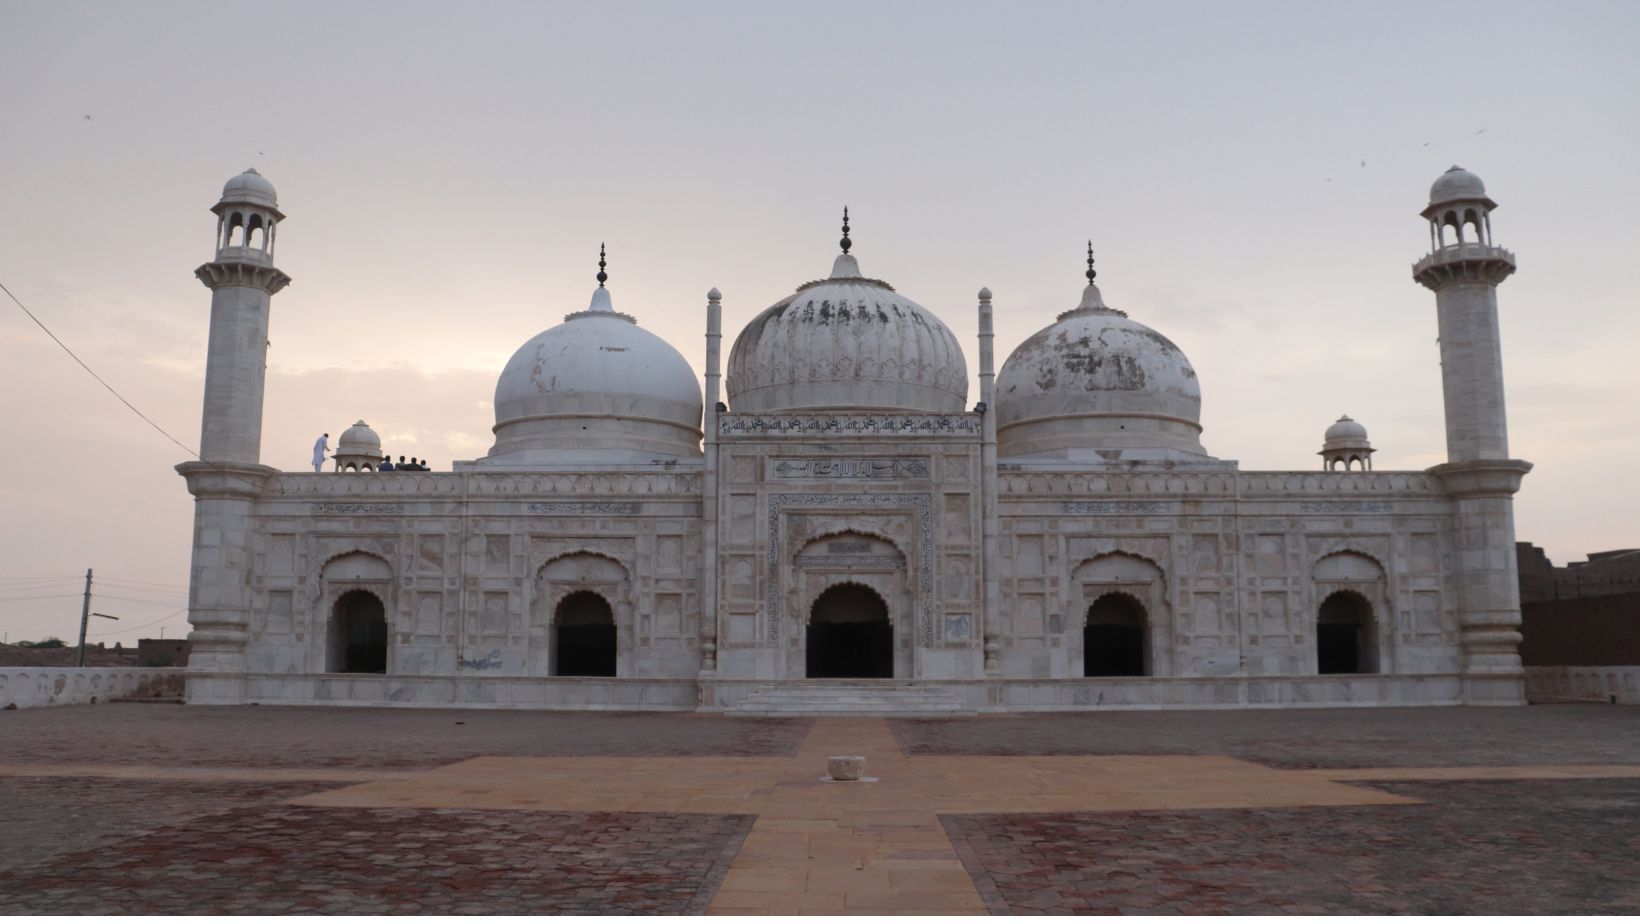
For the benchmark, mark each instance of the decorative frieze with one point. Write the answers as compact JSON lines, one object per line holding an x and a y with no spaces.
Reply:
{"x":488,"y":485}
{"x":896,"y":425}
{"x":847,"y":468}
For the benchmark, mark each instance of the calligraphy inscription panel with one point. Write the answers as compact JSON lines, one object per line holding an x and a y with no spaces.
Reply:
{"x":849,"y":468}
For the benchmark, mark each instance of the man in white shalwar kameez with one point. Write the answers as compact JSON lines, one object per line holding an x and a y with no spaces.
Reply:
{"x":319,"y":450}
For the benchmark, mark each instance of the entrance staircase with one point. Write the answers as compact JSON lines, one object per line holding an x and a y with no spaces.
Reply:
{"x":849,"y":697}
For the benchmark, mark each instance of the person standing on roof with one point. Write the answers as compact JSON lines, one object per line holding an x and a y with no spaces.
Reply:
{"x":319,"y":449}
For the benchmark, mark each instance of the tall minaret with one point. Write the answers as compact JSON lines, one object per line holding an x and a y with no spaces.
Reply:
{"x":228,"y":478}
{"x":1464,"y":269}
{"x":242,"y":280}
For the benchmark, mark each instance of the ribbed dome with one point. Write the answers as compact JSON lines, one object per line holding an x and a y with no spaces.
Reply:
{"x":1097,"y":385}
{"x":596,"y":388}
{"x":1457,"y":184}
{"x":251,"y":188}
{"x":847,"y":342}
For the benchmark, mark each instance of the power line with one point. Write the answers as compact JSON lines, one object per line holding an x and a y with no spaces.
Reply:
{"x":94,"y":375}
{"x":143,"y":626}
{"x":44,"y":597}
{"x":149,"y":600}
{"x":149,"y":583}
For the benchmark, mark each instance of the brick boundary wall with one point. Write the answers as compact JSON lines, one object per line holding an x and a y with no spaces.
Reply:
{"x":28,"y":687}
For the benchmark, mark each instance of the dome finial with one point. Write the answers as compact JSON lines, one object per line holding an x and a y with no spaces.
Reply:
{"x":1090,"y":273}
{"x":603,"y":277}
{"x":845,"y":242}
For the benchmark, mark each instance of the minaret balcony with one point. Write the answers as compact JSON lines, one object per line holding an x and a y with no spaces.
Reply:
{"x":1466,"y":262}
{"x":255,"y":255}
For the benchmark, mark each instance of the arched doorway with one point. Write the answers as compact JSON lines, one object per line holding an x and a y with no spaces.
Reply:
{"x":1113,"y":640}
{"x":585,"y":635}
{"x":1343,"y":638}
{"x":849,"y":634}
{"x":358,"y":634}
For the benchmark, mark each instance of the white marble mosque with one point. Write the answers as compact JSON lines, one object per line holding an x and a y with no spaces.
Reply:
{"x":835,"y":526}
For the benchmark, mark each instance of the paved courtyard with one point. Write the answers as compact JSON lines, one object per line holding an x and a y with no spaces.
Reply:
{"x":148,"y":808}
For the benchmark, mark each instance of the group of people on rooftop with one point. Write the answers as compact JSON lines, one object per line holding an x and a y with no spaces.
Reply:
{"x":322,"y":446}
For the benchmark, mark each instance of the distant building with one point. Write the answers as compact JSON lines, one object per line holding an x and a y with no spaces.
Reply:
{"x":1586,"y":614}
{"x":836,"y":527}
{"x":162,"y":652}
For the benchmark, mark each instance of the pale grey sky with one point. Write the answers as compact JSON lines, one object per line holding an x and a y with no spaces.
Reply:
{"x":449,"y":169}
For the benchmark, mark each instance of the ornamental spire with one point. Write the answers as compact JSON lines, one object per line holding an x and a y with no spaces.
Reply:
{"x":1090,"y":273}
{"x":603,"y":277}
{"x":845,"y":243}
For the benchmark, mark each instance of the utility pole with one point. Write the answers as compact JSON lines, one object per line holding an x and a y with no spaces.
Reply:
{"x":85,"y":616}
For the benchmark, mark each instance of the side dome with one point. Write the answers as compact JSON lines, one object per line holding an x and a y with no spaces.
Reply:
{"x":596,"y":388}
{"x":847,"y":342}
{"x":1095,"y":385}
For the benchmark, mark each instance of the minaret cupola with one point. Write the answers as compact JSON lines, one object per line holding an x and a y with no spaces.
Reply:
{"x":247,"y":216}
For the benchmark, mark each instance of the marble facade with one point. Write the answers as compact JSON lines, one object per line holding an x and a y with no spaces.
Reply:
{"x":711,"y":559}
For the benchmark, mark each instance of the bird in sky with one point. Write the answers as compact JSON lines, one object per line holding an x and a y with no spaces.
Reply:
{"x":88,"y":117}
{"x":1482,"y":131}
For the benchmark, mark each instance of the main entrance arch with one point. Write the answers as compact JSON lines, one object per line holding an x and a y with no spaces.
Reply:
{"x":584,"y":629}
{"x":849,"y":634}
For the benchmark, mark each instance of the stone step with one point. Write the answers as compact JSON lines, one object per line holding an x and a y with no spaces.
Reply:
{"x":849,"y":698}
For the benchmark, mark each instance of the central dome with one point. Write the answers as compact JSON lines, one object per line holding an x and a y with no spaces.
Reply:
{"x":847,"y":342}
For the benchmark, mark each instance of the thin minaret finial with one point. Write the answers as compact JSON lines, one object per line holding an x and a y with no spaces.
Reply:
{"x":845,"y":242}
{"x":1090,"y":273}
{"x":603,"y":277}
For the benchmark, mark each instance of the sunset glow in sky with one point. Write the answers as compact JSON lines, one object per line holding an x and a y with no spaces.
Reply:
{"x":1250,"y":174}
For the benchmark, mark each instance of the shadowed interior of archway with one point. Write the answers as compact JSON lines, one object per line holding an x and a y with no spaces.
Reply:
{"x":849,"y":634}
{"x":1342,"y":641}
{"x":585,"y":628}
{"x":358,"y":634}
{"x":1113,"y":641}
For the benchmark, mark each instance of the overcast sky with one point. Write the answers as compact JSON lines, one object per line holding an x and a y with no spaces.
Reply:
{"x":1250,"y":174}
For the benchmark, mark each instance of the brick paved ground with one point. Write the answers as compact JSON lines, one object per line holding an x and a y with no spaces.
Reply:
{"x":292,"y":860}
{"x":213,"y":844}
{"x":43,"y":817}
{"x":1539,"y":847}
{"x":291,"y":736}
{"x":1297,"y":738}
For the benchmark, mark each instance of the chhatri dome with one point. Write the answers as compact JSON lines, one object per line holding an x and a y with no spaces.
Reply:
{"x":250,"y":187}
{"x":596,"y":388}
{"x":847,"y":341}
{"x":1458,"y":185}
{"x":1096,"y":385}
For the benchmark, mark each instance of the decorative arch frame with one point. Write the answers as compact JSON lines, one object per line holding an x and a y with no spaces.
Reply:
{"x":1380,"y":631}
{"x":890,"y":582}
{"x":547,"y":594}
{"x":1151,"y":593}
{"x":329,"y":591}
